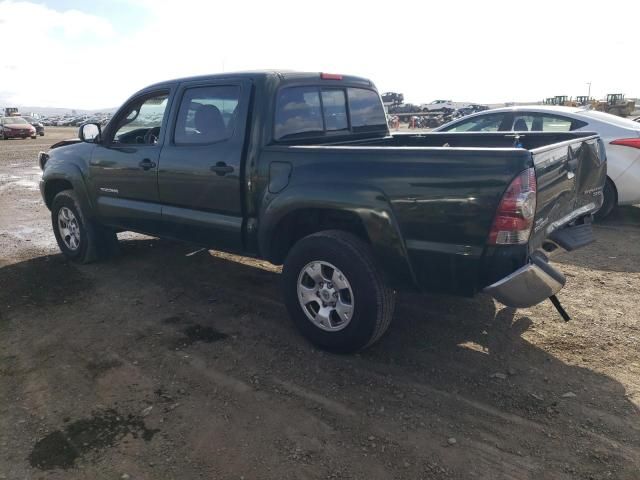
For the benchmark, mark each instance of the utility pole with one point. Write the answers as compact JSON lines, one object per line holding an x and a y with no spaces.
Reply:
{"x":589,"y":94}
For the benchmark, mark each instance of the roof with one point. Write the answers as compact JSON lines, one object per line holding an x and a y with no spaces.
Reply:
{"x":254,"y":74}
{"x":538,"y":108}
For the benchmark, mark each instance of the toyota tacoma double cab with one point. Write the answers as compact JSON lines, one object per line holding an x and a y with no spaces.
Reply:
{"x":300,"y":169}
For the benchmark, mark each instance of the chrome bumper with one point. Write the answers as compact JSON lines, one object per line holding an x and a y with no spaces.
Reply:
{"x":529,"y":285}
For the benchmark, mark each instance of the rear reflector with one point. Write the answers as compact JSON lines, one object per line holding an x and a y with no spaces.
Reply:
{"x":514,"y":218}
{"x":330,"y":76}
{"x":627,"y":142}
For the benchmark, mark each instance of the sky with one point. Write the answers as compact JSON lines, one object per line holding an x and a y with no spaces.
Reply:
{"x":95,"y":54}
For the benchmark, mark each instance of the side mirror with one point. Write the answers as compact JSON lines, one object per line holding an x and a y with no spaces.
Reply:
{"x":90,"y":132}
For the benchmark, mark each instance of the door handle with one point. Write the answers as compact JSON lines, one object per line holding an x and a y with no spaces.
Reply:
{"x":146,"y":164}
{"x":221,"y":168}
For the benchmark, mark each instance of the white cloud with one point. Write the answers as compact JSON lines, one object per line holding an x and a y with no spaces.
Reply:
{"x":485,"y":51}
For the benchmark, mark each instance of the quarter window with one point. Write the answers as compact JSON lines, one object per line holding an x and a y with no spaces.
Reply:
{"x":207,"y":115}
{"x":540,"y":122}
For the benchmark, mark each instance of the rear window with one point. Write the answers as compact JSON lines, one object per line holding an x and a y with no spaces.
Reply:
{"x":315,"y":111}
{"x":366,"y":111}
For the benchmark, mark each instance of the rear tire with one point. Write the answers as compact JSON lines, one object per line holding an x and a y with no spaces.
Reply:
{"x":344,"y":267}
{"x":610,"y":200}
{"x":80,"y":239}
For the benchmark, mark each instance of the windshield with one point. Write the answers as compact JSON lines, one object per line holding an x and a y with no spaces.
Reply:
{"x":14,"y":120}
{"x":612,"y":119}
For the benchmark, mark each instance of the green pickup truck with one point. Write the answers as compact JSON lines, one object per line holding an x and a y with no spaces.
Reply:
{"x":300,"y":169}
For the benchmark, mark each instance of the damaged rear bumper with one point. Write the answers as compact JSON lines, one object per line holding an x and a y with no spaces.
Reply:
{"x":529,"y":285}
{"x":538,"y":280}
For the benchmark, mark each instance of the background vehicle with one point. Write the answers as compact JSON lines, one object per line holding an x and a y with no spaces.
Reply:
{"x":16,"y":127}
{"x":392,"y":98}
{"x":621,"y":137}
{"x":11,"y":112}
{"x":616,"y":105}
{"x":438,"y":105}
{"x":300,"y":169}
{"x":583,"y":100}
{"x":560,"y":100}
{"x":37,"y":124}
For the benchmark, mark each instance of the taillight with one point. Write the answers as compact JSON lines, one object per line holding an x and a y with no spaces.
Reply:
{"x":330,"y":76}
{"x":514,"y":218}
{"x":627,"y":142}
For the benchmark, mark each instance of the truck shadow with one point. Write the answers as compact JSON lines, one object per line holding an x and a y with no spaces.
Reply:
{"x":437,"y":345}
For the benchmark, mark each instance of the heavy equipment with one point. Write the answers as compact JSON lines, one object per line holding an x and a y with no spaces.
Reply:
{"x":616,"y":104}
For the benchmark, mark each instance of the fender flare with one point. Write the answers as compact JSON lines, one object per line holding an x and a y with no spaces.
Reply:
{"x":370,"y":205}
{"x":71,"y":173}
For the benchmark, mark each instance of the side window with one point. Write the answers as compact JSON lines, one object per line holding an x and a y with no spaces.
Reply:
{"x":482,"y":123}
{"x":142,"y":122}
{"x":552,"y":123}
{"x":334,"y":105}
{"x":524,"y":123}
{"x":366,"y":110}
{"x":298,"y":112}
{"x":207,"y":115}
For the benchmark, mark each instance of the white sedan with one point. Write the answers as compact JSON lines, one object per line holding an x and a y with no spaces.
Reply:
{"x":620,"y":136}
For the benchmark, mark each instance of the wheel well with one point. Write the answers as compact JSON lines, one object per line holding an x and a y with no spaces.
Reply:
{"x":54,"y":187}
{"x":299,"y":224}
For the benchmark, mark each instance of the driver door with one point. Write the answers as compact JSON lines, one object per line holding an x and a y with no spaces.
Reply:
{"x":124,"y":165}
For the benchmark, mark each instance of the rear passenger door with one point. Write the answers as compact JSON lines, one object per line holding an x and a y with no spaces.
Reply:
{"x":199,"y":173}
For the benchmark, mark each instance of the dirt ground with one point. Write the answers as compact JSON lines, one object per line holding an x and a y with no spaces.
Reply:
{"x":165,"y":365}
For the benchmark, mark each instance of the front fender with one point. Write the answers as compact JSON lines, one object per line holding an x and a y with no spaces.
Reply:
{"x":67,"y":164}
{"x":370,"y":205}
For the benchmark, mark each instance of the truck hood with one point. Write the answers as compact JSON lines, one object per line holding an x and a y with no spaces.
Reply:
{"x":64,"y":143}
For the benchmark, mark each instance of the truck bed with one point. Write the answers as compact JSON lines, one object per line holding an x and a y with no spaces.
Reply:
{"x":443,"y":190}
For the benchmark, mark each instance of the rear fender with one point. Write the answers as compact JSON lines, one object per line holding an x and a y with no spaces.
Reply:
{"x":370,"y":205}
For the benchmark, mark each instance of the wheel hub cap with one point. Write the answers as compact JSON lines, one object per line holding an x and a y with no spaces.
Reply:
{"x":69,"y":228}
{"x":326,"y":296}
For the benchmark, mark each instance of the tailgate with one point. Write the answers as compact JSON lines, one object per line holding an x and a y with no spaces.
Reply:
{"x":570,"y":177}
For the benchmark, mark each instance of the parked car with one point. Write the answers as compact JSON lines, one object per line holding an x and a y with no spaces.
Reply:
{"x":37,"y":124}
{"x":16,"y":127}
{"x":620,"y":135}
{"x":300,"y":169}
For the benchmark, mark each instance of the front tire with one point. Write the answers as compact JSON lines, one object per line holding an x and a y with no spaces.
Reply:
{"x":334,"y":292}
{"x":610,"y":200}
{"x":79,"y":238}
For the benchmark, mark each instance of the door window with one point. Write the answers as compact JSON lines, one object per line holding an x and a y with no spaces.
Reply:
{"x":142,"y":121}
{"x":482,"y":123}
{"x":551,"y":123}
{"x":541,"y":122}
{"x":207,"y":115}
